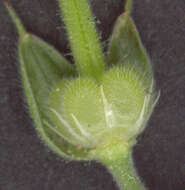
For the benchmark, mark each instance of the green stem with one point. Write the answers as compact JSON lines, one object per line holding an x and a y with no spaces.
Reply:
{"x":118,"y":159}
{"x":83,"y":37}
{"x":16,"y":20}
{"x":124,"y":172}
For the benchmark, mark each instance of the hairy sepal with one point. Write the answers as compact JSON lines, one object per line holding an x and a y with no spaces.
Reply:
{"x":126,"y":48}
{"x":42,"y":67}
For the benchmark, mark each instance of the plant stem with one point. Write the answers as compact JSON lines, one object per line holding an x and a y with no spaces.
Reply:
{"x":118,"y":159}
{"x":124,"y":172}
{"x":83,"y":37}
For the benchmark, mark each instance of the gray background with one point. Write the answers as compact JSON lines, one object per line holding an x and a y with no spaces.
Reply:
{"x":27,"y":164}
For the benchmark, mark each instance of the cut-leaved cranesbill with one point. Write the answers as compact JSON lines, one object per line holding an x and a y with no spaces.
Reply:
{"x":95,"y":108}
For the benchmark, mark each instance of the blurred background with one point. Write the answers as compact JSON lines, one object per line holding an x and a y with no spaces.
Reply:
{"x":27,"y":164}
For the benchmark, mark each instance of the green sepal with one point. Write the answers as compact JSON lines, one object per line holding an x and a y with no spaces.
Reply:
{"x":20,"y":28}
{"x":126,"y":48}
{"x":128,"y":6}
{"x":42,"y":67}
{"x":83,"y":38}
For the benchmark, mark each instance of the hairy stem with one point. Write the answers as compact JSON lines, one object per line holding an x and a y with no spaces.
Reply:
{"x":117,"y":157}
{"x":125,"y":174}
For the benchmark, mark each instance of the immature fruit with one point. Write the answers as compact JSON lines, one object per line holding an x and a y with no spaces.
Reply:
{"x":90,"y":114}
